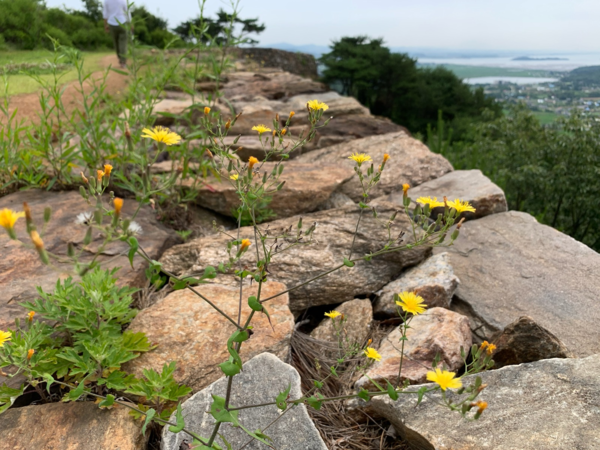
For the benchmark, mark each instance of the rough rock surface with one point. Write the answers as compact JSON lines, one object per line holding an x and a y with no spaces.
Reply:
{"x":176,"y":107}
{"x":510,"y":265}
{"x":21,"y":270}
{"x":345,"y":128}
{"x":188,"y":330}
{"x":358,"y":313}
{"x":338,"y":106}
{"x":438,"y":330}
{"x":274,"y":86}
{"x":470,"y":185}
{"x":336,"y":200}
{"x":550,"y":405}
{"x":525,"y":341}
{"x":263,"y":377}
{"x":433,"y":279}
{"x":250,"y":118}
{"x":306,"y":187}
{"x":247,"y":146}
{"x":410,"y":162}
{"x":70,"y":426}
{"x":331,"y":243}
{"x":298,"y":63}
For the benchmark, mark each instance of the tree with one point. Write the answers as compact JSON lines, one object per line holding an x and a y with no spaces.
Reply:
{"x":93,"y":10}
{"x":219,"y":28}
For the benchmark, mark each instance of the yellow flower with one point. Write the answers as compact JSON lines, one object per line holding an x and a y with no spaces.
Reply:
{"x":292,"y":113}
{"x":107,"y":169}
{"x":251,"y":161}
{"x":444,"y":379}
{"x":386,"y":157}
{"x":118,"y":202}
{"x":333,"y":314}
{"x":432,"y":202}
{"x":30,"y":353}
{"x":261,"y":129}
{"x":372,"y":353}
{"x":37,"y":240}
{"x":100,"y":174}
{"x":245,"y":244}
{"x":316,"y":105}
{"x":490,"y":349}
{"x":360,"y":157}
{"x":461,"y":206}
{"x":405,"y":188}
{"x":234,"y":177}
{"x":5,"y":336}
{"x":30,"y":315}
{"x":206,"y":110}
{"x":162,"y":134}
{"x":8,"y":218}
{"x":481,"y":406}
{"x":411,"y":303}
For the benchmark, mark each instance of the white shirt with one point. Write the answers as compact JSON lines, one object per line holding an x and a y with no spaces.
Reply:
{"x":115,"y":12}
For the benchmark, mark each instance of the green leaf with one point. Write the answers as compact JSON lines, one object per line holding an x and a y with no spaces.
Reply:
{"x":133,"y":248}
{"x":8,"y":396}
{"x":348,"y":263}
{"x":74,"y":394}
{"x":334,"y":372}
{"x":218,"y":411}
{"x":421,"y":393}
{"x":281,"y":399}
{"x":178,"y":284}
{"x":149,"y":415}
{"x":314,"y":402}
{"x":259,"y":436}
{"x":230,"y":369}
{"x":318,"y":384}
{"x":254,"y":304}
{"x":107,"y":402}
{"x":391,"y":391}
{"x":364,"y":394}
{"x":179,"y":419}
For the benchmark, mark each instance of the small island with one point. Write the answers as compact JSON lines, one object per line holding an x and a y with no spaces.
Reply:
{"x":529,"y":58}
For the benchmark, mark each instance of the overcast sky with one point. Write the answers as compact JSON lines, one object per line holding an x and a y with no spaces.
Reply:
{"x":552,"y":25}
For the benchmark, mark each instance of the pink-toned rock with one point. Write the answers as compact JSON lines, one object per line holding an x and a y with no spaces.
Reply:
{"x":438,"y":330}
{"x":274,"y":85}
{"x":189,"y":331}
{"x":70,"y":426}
{"x":21,"y":270}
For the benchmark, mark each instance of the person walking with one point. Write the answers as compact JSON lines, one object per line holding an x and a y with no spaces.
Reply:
{"x":117,"y":20}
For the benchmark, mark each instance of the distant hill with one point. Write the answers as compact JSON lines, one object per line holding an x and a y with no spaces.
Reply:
{"x":529,"y":58}
{"x":589,"y":75}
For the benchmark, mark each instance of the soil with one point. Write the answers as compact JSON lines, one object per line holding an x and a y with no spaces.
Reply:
{"x":28,"y":105}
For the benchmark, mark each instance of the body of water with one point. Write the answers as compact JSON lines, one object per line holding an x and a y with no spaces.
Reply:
{"x":573,"y":61}
{"x":516,"y":80}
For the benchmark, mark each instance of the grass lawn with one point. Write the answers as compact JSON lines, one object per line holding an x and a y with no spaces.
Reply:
{"x":24,"y":84}
{"x":545,"y":117}
{"x":481,"y":71}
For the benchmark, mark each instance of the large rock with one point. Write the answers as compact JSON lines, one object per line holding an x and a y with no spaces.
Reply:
{"x":509,"y":265}
{"x":358,"y":314}
{"x":298,"y":63}
{"x":276,"y":85}
{"x":549,"y":405}
{"x":250,"y":118}
{"x":470,"y":185}
{"x":436,"y":331}
{"x":263,"y":377}
{"x":21,"y":270}
{"x":433,"y":279}
{"x":70,"y":426}
{"x":331,"y":243}
{"x":338,"y":106}
{"x":355,"y":126}
{"x":188,"y":330}
{"x":410,"y":162}
{"x":306,"y":187}
{"x":525,"y":341}
{"x":247,"y":146}
{"x":165,"y":109}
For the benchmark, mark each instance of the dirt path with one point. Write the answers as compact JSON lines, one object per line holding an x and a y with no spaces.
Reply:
{"x":28,"y":105}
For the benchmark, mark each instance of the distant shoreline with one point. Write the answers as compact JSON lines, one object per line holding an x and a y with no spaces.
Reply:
{"x":529,"y":58}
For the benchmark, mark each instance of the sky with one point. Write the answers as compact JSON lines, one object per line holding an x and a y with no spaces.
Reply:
{"x":536,"y":25}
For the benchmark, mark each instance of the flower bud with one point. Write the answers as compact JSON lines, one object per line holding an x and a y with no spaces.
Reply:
{"x":283,"y":131}
{"x":30,"y":353}
{"x":118,"y":203}
{"x":292,"y":113}
{"x":206,"y":110}
{"x":37,"y":240}
{"x":100,"y":175}
{"x":107,"y":169}
{"x":127,"y":131}
{"x":251,"y":162}
{"x":30,"y":315}
{"x":228,"y":124}
{"x":85,"y":180}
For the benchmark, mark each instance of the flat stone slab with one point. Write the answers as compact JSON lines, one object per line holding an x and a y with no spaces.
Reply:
{"x":509,"y":265}
{"x":70,"y":426}
{"x":331,"y":243}
{"x":470,"y":185}
{"x":358,"y":314}
{"x":21,"y":270}
{"x":189,"y":331}
{"x":306,"y":187}
{"x":410,"y":162}
{"x":438,"y":330}
{"x":262,"y":378}
{"x":551,"y":405}
{"x":274,"y":86}
{"x":247,"y":146}
{"x":433,"y":279}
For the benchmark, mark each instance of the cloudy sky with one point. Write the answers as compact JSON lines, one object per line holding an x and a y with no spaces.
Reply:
{"x":546,"y":25}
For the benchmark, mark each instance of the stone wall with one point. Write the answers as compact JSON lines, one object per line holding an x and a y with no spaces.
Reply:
{"x":294,"y":62}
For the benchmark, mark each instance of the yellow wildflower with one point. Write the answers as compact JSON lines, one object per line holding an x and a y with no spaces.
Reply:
{"x":411,"y":303}
{"x":484,"y":345}
{"x":292,"y":113}
{"x":30,"y":353}
{"x":162,"y":134}
{"x":372,"y":353}
{"x":481,"y":406}
{"x":490,"y":349}
{"x":261,"y":129}
{"x":206,"y":110}
{"x":445,"y":379}
{"x":30,"y":315}
{"x":234,"y":177}
{"x":118,"y":202}
{"x":37,"y":240}
{"x":360,"y":157}
{"x":245,"y":244}
{"x":316,"y":105}
{"x":405,"y":188}
{"x":5,"y":336}
{"x":8,"y":218}
{"x":100,"y":174}
{"x":385,"y":157}
{"x":251,"y":161}
{"x":333,"y":314}
{"x":107,"y":169}
{"x":432,"y":202}
{"x":461,"y":206}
